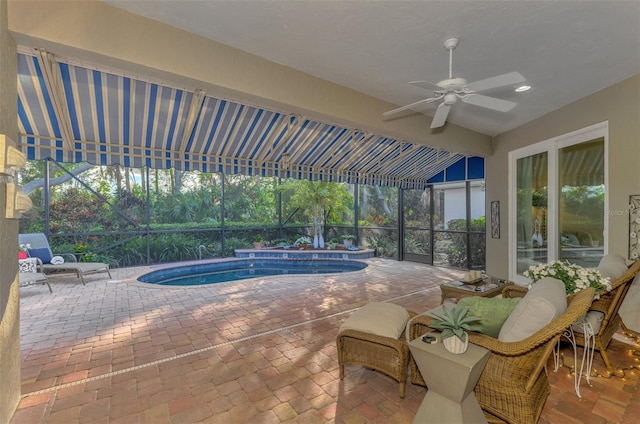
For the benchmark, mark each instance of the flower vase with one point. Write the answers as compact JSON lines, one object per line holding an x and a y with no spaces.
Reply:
{"x":315,"y":241}
{"x":456,"y":346}
{"x":22,"y":254}
{"x":321,"y":242}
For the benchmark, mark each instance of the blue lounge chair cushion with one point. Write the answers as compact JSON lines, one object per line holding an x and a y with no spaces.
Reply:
{"x":42,"y":253}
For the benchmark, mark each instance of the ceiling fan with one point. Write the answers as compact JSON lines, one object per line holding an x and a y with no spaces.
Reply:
{"x":452,"y":89}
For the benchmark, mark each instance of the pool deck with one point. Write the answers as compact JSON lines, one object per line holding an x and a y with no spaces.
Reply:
{"x":259,"y":351}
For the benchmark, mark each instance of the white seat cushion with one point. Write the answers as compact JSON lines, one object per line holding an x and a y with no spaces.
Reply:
{"x":545,"y":301}
{"x":379,"y":318}
{"x":592,"y":317}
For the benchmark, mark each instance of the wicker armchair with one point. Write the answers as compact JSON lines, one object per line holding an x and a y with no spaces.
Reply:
{"x":609,"y":304}
{"x":514,"y":386}
{"x":384,"y":354}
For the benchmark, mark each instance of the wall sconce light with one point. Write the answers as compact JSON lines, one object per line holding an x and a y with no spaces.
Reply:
{"x":10,"y":156}
{"x":15,"y":202}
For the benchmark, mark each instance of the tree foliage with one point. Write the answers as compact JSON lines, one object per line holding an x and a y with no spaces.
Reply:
{"x":106,"y":210}
{"x":318,"y":198}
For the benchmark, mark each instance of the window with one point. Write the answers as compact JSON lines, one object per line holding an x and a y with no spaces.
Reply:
{"x":557,"y":199}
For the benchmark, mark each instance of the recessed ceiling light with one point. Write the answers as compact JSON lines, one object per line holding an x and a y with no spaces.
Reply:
{"x":523,"y":88}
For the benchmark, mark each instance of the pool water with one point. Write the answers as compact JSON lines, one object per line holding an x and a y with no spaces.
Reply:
{"x":220,"y":272}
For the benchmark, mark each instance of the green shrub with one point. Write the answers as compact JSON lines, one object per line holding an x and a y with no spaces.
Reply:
{"x":385,"y":246}
{"x":457,"y":253}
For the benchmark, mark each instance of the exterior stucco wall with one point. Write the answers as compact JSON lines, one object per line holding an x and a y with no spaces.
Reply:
{"x":9,"y":290}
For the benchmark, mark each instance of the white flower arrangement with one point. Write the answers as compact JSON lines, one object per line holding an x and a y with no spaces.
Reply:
{"x":25,"y":247}
{"x":574,"y":277}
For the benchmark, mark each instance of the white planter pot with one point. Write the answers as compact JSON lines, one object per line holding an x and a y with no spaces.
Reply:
{"x":455,"y":345}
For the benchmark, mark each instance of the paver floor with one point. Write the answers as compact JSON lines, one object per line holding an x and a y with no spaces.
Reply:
{"x":253,"y":351}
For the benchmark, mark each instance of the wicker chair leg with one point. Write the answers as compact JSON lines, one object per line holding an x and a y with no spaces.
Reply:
{"x":401,"y":390}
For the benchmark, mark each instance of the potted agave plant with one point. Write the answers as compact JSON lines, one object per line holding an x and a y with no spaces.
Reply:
{"x":454,"y":323}
{"x":347,"y":240}
{"x":258,"y":241}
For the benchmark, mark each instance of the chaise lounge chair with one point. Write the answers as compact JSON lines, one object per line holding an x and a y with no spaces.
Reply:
{"x":41,"y":250}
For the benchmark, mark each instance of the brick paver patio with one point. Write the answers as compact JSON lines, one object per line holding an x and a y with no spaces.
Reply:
{"x":253,"y":351}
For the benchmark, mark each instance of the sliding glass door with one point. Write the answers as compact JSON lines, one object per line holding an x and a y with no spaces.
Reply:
{"x":558,"y":200}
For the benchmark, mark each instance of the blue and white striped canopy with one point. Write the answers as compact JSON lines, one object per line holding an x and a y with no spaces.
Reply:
{"x":74,"y":114}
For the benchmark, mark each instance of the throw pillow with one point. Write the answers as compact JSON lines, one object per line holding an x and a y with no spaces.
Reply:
{"x":612,"y":266}
{"x":41,"y":253}
{"x":492,"y":311}
{"x":545,"y":301}
{"x":379,"y":318}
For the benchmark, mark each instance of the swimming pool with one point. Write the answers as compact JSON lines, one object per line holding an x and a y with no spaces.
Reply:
{"x":220,"y":272}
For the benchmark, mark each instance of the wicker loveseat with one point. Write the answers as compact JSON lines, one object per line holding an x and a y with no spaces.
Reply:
{"x":514,"y":386}
{"x":608,"y":306}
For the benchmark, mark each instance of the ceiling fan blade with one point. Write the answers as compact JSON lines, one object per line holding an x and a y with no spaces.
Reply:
{"x":410,"y":106}
{"x":510,"y":78}
{"x":489,"y":102}
{"x":441,"y":116}
{"x":427,"y":85}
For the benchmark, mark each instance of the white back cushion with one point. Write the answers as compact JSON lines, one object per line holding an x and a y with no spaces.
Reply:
{"x":545,"y":301}
{"x":612,"y":266}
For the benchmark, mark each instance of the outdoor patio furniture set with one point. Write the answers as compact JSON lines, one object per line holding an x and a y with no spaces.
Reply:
{"x":513,"y":385}
{"x":41,"y":260}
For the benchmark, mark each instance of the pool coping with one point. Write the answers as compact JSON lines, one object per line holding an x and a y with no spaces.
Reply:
{"x":304,"y":254}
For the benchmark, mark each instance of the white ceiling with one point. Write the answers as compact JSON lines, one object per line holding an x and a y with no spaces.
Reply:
{"x":566,"y":49}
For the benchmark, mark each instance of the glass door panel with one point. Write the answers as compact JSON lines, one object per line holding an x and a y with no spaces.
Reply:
{"x":477,"y":227}
{"x":531,"y":211}
{"x":581,"y":203}
{"x":417,"y":225}
{"x":450,"y":226}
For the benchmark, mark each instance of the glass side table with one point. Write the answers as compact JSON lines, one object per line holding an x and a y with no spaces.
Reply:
{"x":451,"y":380}
{"x":486,"y":287}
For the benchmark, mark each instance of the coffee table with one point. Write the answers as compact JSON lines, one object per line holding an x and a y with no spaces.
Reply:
{"x":485,"y":287}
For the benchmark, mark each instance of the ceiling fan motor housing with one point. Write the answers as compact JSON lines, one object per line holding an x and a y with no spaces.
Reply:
{"x":452,"y":84}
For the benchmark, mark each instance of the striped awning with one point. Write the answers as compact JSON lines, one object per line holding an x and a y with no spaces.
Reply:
{"x":73,"y":113}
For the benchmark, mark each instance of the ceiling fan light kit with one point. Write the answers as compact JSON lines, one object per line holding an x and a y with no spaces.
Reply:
{"x":454,"y":88}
